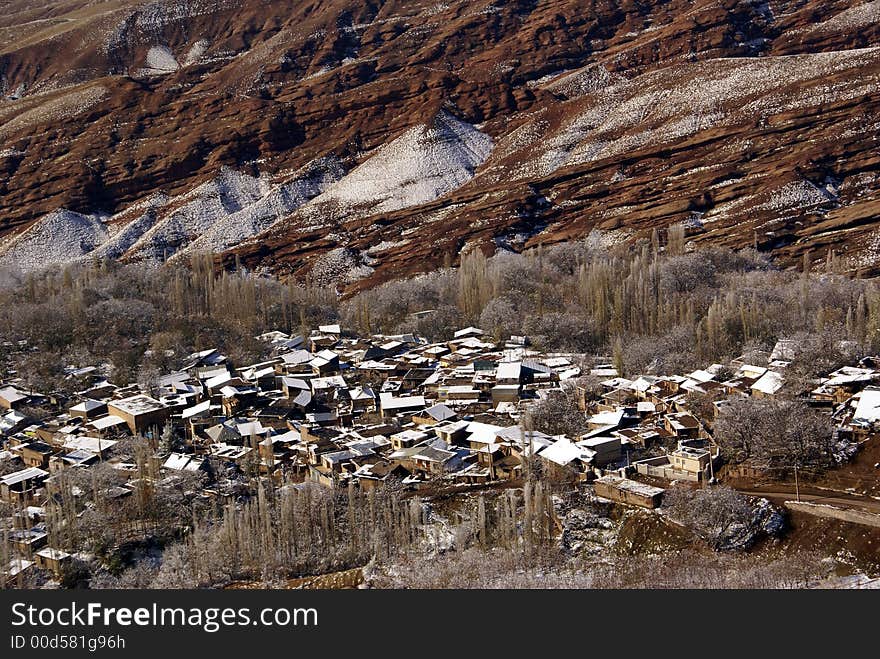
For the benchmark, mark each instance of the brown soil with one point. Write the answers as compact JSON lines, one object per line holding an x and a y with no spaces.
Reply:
{"x":283,"y":83}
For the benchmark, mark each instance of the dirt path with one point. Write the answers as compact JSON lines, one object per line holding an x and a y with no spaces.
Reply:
{"x":781,"y":492}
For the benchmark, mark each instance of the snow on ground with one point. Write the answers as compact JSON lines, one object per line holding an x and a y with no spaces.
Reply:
{"x":123,"y":236}
{"x":587,"y":80}
{"x":214,"y":216}
{"x":144,"y":23}
{"x":57,"y":109}
{"x":57,"y":238}
{"x":160,"y":58}
{"x":850,"y":19}
{"x":799,"y":194}
{"x":195,"y":53}
{"x":667,"y":105}
{"x":423,"y":164}
{"x":796,"y":196}
{"x":197,"y":211}
{"x":339,"y":265}
{"x":279,"y":201}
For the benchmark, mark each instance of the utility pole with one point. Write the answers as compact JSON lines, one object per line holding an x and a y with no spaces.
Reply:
{"x":797,"y":492}
{"x":711,"y":465}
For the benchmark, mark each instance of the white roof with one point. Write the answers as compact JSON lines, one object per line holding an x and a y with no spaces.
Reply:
{"x":296,"y":383}
{"x":569,"y":373}
{"x":87,"y":406}
{"x":223,"y":450}
{"x":390,"y":402}
{"x":248,"y":428}
{"x":631,"y":486}
{"x":644,"y":382}
{"x":508,"y":371}
{"x":23,"y":475}
{"x":868,"y":408}
{"x":287,"y":437}
{"x":182,"y":462}
{"x":297,"y":357}
{"x":333,"y":381}
{"x":52,"y":553}
{"x":11,"y":394}
{"x":460,"y":389}
{"x":850,"y":375}
{"x":612,"y":418}
{"x":701,"y":376}
{"x":564,"y":452}
{"x":204,"y":406}
{"x":16,"y":565}
{"x":135,"y":405}
{"x":362,"y":393}
{"x":230,"y":391}
{"x":769,"y":383}
{"x":202,"y":353}
{"x":107,"y":422}
{"x":90,"y":444}
{"x":485,"y":433}
{"x":750,"y":371}
{"x":218,"y":380}
{"x":274,"y":335}
{"x":330,"y":329}
{"x":616,"y":383}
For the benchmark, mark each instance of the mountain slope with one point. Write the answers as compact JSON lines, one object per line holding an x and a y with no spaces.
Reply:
{"x":387,"y":135}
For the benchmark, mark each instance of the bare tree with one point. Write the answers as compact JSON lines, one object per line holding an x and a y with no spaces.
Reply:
{"x":711,"y":513}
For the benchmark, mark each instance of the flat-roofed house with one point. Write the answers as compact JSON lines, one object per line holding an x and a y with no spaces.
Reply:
{"x":35,"y":454}
{"x":140,"y":412}
{"x":768,"y":385}
{"x":391,"y":404}
{"x":867,"y":412}
{"x":52,"y":559}
{"x":607,"y":448}
{"x":11,"y":398}
{"x":20,"y":485}
{"x":108,"y":425}
{"x":95,"y":445}
{"x":89,"y":409}
{"x":508,"y":373}
{"x":630,"y":492}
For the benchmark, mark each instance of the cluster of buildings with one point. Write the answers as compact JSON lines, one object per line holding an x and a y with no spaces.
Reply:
{"x":336,"y":409}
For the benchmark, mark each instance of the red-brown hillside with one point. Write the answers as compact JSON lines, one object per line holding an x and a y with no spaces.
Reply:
{"x":365,"y":140}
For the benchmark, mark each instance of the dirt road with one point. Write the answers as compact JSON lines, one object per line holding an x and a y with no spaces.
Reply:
{"x":781,"y":492}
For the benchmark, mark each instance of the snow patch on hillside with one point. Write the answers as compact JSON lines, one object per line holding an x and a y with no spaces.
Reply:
{"x":660,"y":107}
{"x":214,"y":216}
{"x":55,"y":239}
{"x":279,"y":201}
{"x":850,"y":19}
{"x":587,"y":80}
{"x":197,"y":211}
{"x":125,"y":235}
{"x":161,"y":59}
{"x":423,"y":164}
{"x":195,"y":53}
{"x":340,"y":265}
{"x":797,"y":195}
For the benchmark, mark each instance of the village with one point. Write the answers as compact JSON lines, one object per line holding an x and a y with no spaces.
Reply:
{"x":344,"y":411}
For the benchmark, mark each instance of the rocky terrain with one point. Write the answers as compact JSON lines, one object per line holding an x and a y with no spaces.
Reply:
{"x":359,"y":141}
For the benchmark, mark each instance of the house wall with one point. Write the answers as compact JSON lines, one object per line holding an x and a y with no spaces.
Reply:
{"x":141,"y":422}
{"x":610,"y":491}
